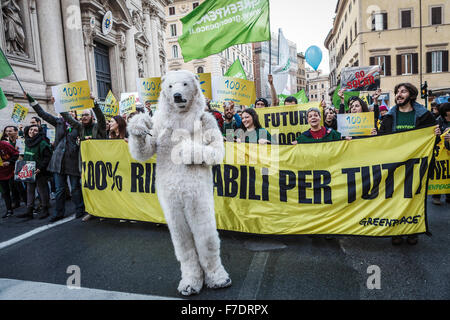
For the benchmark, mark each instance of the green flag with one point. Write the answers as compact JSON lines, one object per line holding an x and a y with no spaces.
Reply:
{"x":5,"y":68}
{"x":300,"y":96}
{"x":347,"y":95}
{"x":236,"y":70}
{"x":3,"y":100}
{"x":218,"y":24}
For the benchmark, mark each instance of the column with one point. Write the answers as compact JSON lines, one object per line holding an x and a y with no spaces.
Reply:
{"x":131,"y":67}
{"x":148,"y":34}
{"x":73,"y":33}
{"x":52,"y":42}
{"x":154,"y":39}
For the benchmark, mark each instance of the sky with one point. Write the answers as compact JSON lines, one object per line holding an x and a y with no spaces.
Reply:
{"x":305,"y":22}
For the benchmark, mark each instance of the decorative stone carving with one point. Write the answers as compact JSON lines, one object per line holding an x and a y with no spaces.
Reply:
{"x":14,"y":30}
{"x":137,"y":20}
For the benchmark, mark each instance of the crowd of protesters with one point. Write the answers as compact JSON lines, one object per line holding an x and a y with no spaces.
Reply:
{"x":58,"y":164}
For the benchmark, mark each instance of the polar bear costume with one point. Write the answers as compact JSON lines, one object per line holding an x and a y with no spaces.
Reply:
{"x":187,"y":141}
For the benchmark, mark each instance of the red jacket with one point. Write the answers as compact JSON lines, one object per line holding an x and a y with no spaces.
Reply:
{"x":8,"y":154}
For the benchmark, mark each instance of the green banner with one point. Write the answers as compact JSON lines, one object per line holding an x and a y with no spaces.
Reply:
{"x":347,"y":94}
{"x":236,"y":70}
{"x":218,"y":24}
{"x":300,"y":96}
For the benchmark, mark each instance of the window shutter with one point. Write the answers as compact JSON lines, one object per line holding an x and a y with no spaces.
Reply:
{"x":415,"y":63}
{"x":399,"y":64}
{"x":387,"y":66}
{"x":429,"y":58}
{"x":445,"y":61}
{"x":385,"y":21}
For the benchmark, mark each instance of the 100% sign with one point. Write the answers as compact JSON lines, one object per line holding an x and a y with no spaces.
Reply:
{"x":97,"y":175}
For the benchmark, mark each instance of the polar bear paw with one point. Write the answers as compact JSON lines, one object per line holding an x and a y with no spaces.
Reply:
{"x":140,"y":125}
{"x":190,"y":286}
{"x":218,"y":279}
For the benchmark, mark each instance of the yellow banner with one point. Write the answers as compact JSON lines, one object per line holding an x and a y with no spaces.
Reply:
{"x":340,"y":187}
{"x":19,"y":113}
{"x":149,"y":89}
{"x":355,"y":124}
{"x":286,"y":122}
{"x":72,"y":96}
{"x":233,"y":89}
{"x":440,"y":177}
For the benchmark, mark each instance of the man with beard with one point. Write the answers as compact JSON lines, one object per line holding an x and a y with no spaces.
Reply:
{"x":406,"y":115}
{"x":231,"y":121}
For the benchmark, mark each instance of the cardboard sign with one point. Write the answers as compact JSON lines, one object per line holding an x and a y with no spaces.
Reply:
{"x":355,"y":124}
{"x":72,"y":96}
{"x":25,"y":171}
{"x":128,"y":103}
{"x":149,"y":89}
{"x":361,"y":78}
{"x":233,"y":89}
{"x":19,"y":113}
{"x":110,"y":107}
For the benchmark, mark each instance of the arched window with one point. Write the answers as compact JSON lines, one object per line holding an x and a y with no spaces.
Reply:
{"x":200,"y":70}
{"x":175,"y":51}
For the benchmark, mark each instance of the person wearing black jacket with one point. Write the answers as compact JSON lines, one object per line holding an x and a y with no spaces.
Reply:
{"x":37,"y":149}
{"x":64,"y":163}
{"x":406,"y":115}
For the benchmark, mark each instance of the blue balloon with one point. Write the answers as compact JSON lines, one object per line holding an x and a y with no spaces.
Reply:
{"x":313,"y":56}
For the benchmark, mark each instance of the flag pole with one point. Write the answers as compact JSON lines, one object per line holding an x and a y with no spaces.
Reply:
{"x":15,"y":75}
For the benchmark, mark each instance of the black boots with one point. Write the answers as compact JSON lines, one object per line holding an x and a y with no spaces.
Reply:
{"x":43,"y":214}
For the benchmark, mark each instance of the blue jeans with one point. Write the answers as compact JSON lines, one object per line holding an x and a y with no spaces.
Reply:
{"x":77,"y":197}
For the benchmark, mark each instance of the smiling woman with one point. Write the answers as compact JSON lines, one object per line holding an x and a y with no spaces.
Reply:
{"x":317,"y":133}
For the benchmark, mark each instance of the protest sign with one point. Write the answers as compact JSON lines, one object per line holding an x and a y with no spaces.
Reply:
{"x":205,"y":84}
{"x":355,"y":124}
{"x":339,"y":187}
{"x":19,"y":113}
{"x":440,"y":175}
{"x":128,"y":103}
{"x":149,"y":89}
{"x":110,"y":107}
{"x":285,"y":123}
{"x":25,"y":171}
{"x":361,"y":78}
{"x":72,"y":96}
{"x":233,"y":89}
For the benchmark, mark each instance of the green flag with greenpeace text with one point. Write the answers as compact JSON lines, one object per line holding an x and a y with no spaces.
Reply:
{"x":300,"y":96}
{"x":218,"y":24}
{"x":5,"y":68}
{"x":236,"y":70}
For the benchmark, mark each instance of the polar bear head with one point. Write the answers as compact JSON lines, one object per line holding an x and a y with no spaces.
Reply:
{"x":181,"y":92}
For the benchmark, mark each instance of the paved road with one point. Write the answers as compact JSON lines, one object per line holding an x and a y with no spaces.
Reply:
{"x":136,"y":261}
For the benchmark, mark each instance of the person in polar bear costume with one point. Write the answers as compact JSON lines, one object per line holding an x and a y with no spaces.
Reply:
{"x":187,"y":142}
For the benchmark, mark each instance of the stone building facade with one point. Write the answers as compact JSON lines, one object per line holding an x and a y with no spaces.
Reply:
{"x":110,"y":43}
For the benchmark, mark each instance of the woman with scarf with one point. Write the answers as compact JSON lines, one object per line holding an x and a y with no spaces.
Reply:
{"x":37,"y":149}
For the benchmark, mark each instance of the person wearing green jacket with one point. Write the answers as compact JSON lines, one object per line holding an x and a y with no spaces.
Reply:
{"x":39,"y":150}
{"x":317,"y":132}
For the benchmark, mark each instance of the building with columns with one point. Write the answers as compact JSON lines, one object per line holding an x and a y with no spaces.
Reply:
{"x":54,"y":42}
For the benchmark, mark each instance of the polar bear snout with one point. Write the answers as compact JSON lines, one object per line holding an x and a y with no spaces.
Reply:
{"x":178,"y":98}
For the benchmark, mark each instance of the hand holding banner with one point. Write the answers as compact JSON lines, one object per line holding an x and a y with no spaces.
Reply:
{"x":72,"y":96}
